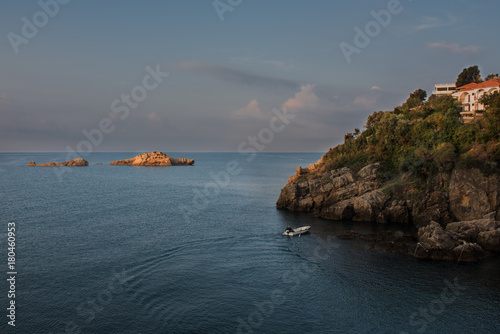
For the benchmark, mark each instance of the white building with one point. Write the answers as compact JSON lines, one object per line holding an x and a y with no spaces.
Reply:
{"x":444,"y":89}
{"x":470,"y":94}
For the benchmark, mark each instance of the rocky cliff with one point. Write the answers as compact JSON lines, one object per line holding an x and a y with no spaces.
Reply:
{"x":153,"y":159}
{"x":445,"y":209}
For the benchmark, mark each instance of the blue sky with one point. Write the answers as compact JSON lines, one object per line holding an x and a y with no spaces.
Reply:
{"x":226,"y":77}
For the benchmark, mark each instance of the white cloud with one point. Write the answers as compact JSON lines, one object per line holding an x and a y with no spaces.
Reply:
{"x":455,"y":48}
{"x":251,"y":110}
{"x":305,"y":99}
{"x":431,"y":22}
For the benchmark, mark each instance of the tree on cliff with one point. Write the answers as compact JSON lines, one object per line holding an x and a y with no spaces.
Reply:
{"x":491,"y":101}
{"x":416,"y":99}
{"x":419,"y":94}
{"x":469,"y":75}
{"x":491,"y":119}
{"x":491,"y":76}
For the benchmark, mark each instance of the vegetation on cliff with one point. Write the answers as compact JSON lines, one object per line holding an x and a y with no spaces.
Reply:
{"x":423,"y":140}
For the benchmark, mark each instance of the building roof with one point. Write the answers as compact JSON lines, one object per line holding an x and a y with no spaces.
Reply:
{"x":490,"y":83}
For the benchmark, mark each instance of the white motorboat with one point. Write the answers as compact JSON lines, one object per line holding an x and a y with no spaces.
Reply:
{"x":297,"y":231}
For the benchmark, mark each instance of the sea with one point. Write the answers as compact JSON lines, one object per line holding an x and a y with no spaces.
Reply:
{"x":199,"y":249}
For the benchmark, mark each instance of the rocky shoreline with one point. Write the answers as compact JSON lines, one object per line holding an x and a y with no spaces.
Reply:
{"x":456,"y":214}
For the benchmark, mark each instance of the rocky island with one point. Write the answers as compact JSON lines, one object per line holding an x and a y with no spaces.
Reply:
{"x":153,"y":159}
{"x":419,"y":165}
{"x":70,"y":163}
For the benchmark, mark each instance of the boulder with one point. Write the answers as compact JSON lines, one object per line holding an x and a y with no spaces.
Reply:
{"x":76,"y":163}
{"x":466,"y":241}
{"x":31,"y":163}
{"x":339,"y":172}
{"x":181,"y":162}
{"x":489,"y":240}
{"x":342,"y":181}
{"x":340,"y":211}
{"x":469,"y":230}
{"x":432,"y":237}
{"x":370,"y":172}
{"x":396,"y":212}
{"x":368,"y":206}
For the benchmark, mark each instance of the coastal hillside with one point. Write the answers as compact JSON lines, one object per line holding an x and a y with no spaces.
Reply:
{"x":419,"y":164}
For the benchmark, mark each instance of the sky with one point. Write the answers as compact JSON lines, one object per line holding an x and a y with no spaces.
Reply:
{"x":206,"y":76}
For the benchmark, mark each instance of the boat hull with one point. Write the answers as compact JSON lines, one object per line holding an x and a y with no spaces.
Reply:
{"x":297,"y":231}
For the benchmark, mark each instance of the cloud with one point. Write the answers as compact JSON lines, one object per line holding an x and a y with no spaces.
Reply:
{"x":281,"y":64}
{"x":251,"y":110}
{"x":369,"y":99}
{"x":455,"y":48}
{"x":305,"y":99}
{"x":366,"y":101}
{"x":232,"y":75}
{"x":250,"y":61}
{"x":432,"y":22}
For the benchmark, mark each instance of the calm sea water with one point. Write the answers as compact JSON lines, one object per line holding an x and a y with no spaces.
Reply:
{"x":108,"y":249}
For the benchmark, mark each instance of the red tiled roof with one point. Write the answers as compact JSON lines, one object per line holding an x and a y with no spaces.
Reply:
{"x":490,"y":83}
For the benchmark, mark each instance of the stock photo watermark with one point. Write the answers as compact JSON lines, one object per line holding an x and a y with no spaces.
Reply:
{"x":293,"y":279}
{"x":30,"y":27}
{"x":422,"y":319}
{"x":372,"y":29}
{"x":11,"y":273}
{"x":249,"y":147}
{"x":120,"y":109}
{"x":223,"y":6}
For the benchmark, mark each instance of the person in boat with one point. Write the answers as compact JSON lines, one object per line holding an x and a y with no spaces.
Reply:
{"x":289,"y":229}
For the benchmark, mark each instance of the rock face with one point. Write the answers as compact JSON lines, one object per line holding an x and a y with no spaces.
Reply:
{"x":473,"y":195}
{"x":71,"y":163}
{"x":460,"y":241}
{"x":453,"y":213}
{"x":153,"y":159}
{"x":342,"y":195}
